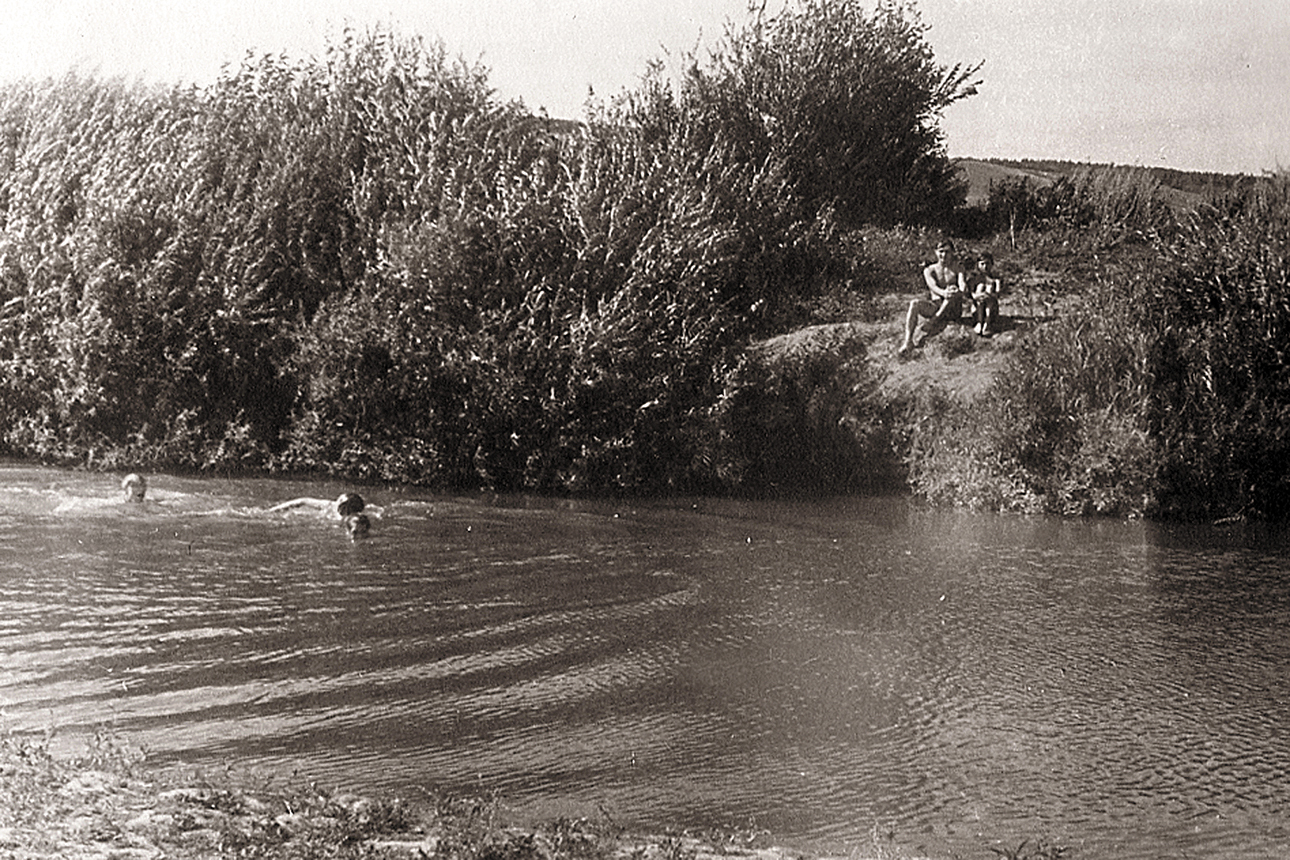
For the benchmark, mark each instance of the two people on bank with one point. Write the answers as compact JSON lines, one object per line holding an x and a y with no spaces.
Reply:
{"x":953,"y":286}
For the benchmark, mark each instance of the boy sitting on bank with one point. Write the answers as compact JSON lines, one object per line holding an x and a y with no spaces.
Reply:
{"x":946,"y":281}
{"x":984,"y":286}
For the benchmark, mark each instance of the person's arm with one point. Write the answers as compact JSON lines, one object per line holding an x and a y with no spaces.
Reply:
{"x":317,"y":504}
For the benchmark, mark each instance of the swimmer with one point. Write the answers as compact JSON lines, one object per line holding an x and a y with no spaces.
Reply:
{"x":346,"y":505}
{"x":358,"y":525}
{"x":133,"y":500}
{"x":135,"y":487}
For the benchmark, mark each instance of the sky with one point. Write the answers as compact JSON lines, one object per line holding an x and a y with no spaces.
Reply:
{"x":1186,"y":84}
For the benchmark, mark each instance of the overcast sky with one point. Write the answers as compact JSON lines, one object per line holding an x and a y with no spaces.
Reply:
{"x":1188,"y":84}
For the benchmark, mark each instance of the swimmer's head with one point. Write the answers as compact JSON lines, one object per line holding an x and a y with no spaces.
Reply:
{"x":135,"y":487}
{"x":358,"y":525}
{"x":349,"y":504}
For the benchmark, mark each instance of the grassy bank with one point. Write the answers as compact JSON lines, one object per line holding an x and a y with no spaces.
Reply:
{"x":108,"y":804}
{"x":1157,"y":385}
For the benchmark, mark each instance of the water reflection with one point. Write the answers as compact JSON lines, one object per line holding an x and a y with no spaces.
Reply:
{"x":815,"y":667}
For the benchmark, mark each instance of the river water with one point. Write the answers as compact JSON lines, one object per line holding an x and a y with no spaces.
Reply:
{"x":814,"y":669}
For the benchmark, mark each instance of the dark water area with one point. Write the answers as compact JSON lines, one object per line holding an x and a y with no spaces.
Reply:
{"x":813,"y":669}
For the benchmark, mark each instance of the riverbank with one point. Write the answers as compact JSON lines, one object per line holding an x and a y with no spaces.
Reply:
{"x":413,"y":285}
{"x":834,"y":406}
{"x":110,"y":806}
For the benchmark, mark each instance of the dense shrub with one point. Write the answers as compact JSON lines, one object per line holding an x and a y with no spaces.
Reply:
{"x":550,"y":309}
{"x":798,"y":413}
{"x":158,"y":247}
{"x":365,"y":264}
{"x":1220,"y":404}
{"x":846,"y":100}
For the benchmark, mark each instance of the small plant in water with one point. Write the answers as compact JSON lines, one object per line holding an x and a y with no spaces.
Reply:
{"x":1041,"y":850}
{"x":108,"y":751}
{"x":883,"y":839}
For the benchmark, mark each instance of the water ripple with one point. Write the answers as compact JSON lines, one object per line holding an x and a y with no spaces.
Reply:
{"x":816,"y":667}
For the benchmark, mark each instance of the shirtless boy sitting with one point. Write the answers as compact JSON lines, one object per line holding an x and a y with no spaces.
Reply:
{"x":945,"y":280}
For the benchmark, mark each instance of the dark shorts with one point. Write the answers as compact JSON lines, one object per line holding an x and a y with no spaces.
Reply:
{"x":952,"y":307}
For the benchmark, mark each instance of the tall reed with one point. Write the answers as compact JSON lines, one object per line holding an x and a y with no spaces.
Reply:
{"x":366,"y":264}
{"x":1096,"y":207}
{"x":1221,"y":400}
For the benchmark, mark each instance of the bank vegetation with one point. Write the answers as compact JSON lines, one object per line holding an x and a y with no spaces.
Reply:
{"x":111,"y":803}
{"x":365,"y":265}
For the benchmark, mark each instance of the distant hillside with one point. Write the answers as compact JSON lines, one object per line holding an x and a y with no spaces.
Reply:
{"x":1191,"y":182}
{"x":1192,"y":186}
{"x":980,"y":174}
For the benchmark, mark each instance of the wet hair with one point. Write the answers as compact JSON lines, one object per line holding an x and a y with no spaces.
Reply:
{"x":985,"y":257}
{"x":945,"y":245}
{"x":358,"y":525}
{"x":135,"y":486}
{"x":349,"y":504}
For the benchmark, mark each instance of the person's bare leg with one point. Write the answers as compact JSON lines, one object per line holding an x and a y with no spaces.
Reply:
{"x":911,"y":322}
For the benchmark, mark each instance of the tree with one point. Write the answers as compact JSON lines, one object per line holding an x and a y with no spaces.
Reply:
{"x":848,"y":101}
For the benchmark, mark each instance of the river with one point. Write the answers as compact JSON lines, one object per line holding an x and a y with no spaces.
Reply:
{"x":814,"y":669}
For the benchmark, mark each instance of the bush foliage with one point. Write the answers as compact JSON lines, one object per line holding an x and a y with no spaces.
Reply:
{"x":365,"y":264}
{"x":1099,"y":206}
{"x":1219,"y":313}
